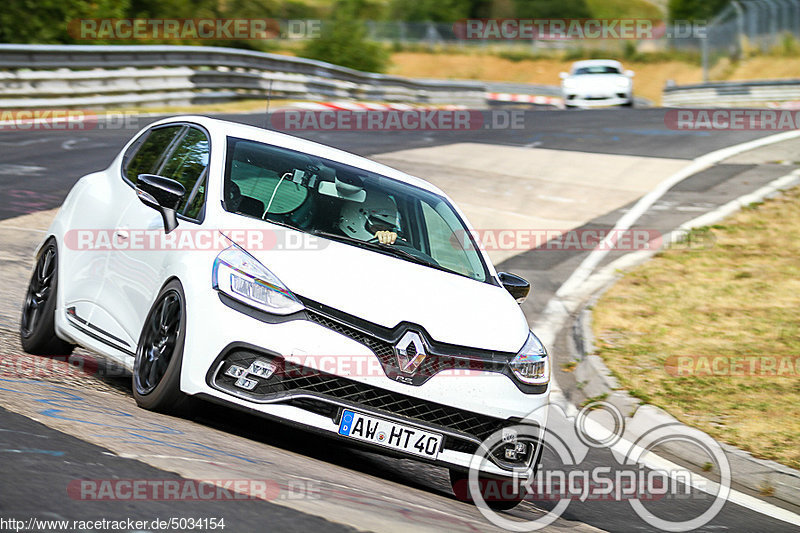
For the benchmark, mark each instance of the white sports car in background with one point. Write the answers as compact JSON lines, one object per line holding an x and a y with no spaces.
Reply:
{"x":597,"y":82}
{"x":239,"y":265}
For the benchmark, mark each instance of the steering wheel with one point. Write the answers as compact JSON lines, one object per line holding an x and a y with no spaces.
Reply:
{"x":233,"y":196}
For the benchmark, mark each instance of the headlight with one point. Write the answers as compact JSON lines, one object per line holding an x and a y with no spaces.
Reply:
{"x":623,"y":82}
{"x":532,"y":365}
{"x":569,"y":83}
{"x":240,"y":276}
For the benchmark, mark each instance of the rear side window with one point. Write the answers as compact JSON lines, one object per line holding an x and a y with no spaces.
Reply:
{"x":151,"y":152}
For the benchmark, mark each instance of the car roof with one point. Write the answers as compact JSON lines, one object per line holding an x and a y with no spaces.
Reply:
{"x":597,"y":63}
{"x":254,"y":133}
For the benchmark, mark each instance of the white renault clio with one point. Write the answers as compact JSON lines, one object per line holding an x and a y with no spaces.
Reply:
{"x":266,"y":272}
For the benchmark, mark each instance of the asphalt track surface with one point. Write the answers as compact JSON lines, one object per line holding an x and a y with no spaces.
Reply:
{"x":37,"y":169}
{"x":47,"y":163}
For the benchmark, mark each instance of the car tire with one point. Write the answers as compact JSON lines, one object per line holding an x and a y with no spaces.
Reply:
{"x":459,"y":482}
{"x":37,"y":330}
{"x":159,"y":354}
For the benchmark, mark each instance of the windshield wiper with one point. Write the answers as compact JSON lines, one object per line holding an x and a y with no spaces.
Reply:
{"x":399,"y":252}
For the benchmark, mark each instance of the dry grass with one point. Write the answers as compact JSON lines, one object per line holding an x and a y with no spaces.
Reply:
{"x":649,"y":81}
{"x":625,"y":9}
{"x":765,"y":68}
{"x":740,"y":297}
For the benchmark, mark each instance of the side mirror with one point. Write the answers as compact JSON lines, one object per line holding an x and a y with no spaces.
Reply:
{"x":629,"y":73}
{"x":517,"y":286}
{"x":563,"y":75}
{"x":162,"y":194}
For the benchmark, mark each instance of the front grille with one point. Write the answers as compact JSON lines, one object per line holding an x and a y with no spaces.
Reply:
{"x":290,"y":378}
{"x":383,"y":349}
{"x":431,"y":365}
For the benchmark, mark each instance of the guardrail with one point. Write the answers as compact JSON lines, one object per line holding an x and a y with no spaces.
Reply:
{"x":41,"y":76}
{"x":759,"y":93}
{"x":503,"y":93}
{"x":546,"y":95}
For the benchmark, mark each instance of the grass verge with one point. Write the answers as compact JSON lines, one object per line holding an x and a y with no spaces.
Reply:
{"x":738,"y":298}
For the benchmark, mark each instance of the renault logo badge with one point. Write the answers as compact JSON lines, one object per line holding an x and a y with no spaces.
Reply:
{"x":410,"y":352}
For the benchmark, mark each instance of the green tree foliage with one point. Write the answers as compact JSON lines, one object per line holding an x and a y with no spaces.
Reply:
{"x":344,"y":41}
{"x":173,"y":8}
{"x":572,"y":9}
{"x":429,"y":10}
{"x":449,"y":10}
{"x":45,"y":21}
{"x":277,"y":9}
{"x":695,"y":9}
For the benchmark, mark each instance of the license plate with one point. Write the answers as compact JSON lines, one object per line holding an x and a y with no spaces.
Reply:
{"x":390,"y":434}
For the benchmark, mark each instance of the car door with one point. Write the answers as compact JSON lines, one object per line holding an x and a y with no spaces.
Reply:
{"x":136,"y":270}
{"x":86,"y":296}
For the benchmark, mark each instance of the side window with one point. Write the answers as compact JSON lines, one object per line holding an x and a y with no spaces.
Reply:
{"x":151,"y":152}
{"x":265,"y":181}
{"x":187,"y":165}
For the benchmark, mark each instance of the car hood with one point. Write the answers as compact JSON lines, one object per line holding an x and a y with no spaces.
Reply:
{"x":387,"y":290}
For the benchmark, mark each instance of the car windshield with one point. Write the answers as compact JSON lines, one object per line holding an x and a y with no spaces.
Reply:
{"x":597,"y":69}
{"x":344,"y":203}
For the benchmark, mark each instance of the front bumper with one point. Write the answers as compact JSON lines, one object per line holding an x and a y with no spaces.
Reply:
{"x":465,"y":407}
{"x":610,"y":99}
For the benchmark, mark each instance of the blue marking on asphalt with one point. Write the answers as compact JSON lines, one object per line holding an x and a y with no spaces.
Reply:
{"x":64,"y":405}
{"x":54,"y":453}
